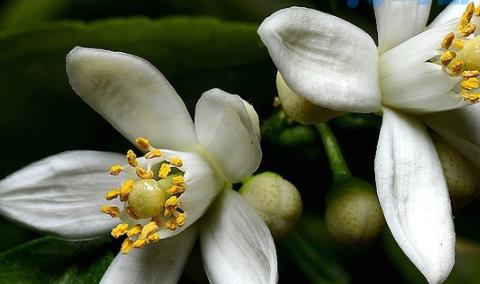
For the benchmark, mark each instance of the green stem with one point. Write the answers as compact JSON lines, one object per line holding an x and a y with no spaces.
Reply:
{"x":338,"y":165}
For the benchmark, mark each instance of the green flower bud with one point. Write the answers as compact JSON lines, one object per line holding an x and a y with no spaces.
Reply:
{"x":353,"y":213}
{"x":276,"y":200}
{"x":458,"y":172}
{"x":299,"y":108}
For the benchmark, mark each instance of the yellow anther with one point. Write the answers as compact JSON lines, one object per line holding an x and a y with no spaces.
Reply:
{"x":176,"y":162}
{"x":147,"y":229}
{"x":470,"y":97}
{"x":135,"y":230}
{"x":458,"y":43}
{"x":143,"y":143}
{"x":180,"y":220}
{"x":468,"y":29}
{"x":139,"y":243}
{"x":470,"y":74}
{"x":131,"y":213}
{"x":470,"y":84}
{"x":467,"y":15}
{"x":164,"y":171}
{"x":456,"y":67}
{"x":115,"y":170}
{"x":447,"y":57}
{"x":126,"y":246}
{"x":174,"y":190}
{"x":132,"y":158}
{"x":170,"y":205}
{"x":119,"y":230}
{"x":153,"y":238}
{"x":112,"y":194}
{"x":477,"y":12}
{"x":143,"y":173}
{"x":154,"y":153}
{"x":113,"y":211}
{"x":171,"y":225}
{"x":125,"y":189}
{"x":447,"y":40}
{"x":178,"y":181}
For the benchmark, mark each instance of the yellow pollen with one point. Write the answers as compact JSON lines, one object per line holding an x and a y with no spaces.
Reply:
{"x":171,"y":225}
{"x":119,"y":230}
{"x":153,"y":238}
{"x":447,"y":40}
{"x":112,"y":194}
{"x":470,"y":97}
{"x":170,"y":205}
{"x":147,"y":229}
{"x":174,"y":190}
{"x":135,"y":230}
{"x":468,"y":29}
{"x":470,"y":84}
{"x":139,"y":243}
{"x":178,"y":181}
{"x":131,"y":213}
{"x":470,"y":74}
{"x":458,"y":43}
{"x":154,"y":153}
{"x":126,"y":188}
{"x":456,"y":67}
{"x":176,"y":162}
{"x":164,"y":171}
{"x":113,"y":211}
{"x":477,"y":12}
{"x":126,"y":246}
{"x":467,"y":15}
{"x":143,"y":143}
{"x":115,"y":170}
{"x":132,"y":158}
{"x":143,"y":173}
{"x":447,"y":57}
{"x":180,"y":220}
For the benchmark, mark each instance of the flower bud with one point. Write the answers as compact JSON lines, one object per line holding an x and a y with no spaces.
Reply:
{"x":276,"y":200}
{"x":458,"y":172}
{"x":353,"y":213}
{"x":300,"y":109}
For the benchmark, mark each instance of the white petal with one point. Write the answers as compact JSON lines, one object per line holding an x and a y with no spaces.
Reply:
{"x":461,"y":128}
{"x":132,"y":95}
{"x":62,"y":195}
{"x":329,"y":61}
{"x":202,"y":186}
{"x":412,"y":84}
{"x":227,"y":127}
{"x":399,"y":20}
{"x":413,"y":195}
{"x":162,"y":262}
{"x":236,"y":244}
{"x":452,"y":12}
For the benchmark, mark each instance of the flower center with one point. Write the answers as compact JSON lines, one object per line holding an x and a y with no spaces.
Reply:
{"x":150,"y":199}
{"x":461,"y":55}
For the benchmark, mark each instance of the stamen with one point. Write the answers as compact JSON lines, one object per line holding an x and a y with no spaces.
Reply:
{"x":447,"y":57}
{"x":132,"y":158}
{"x":174,"y":190}
{"x":170,"y":205}
{"x":115,"y":170}
{"x":178,"y":181}
{"x":468,"y":29}
{"x":131,"y":213}
{"x":135,"y":230}
{"x":143,"y":143}
{"x":470,"y":84}
{"x":125,"y":190}
{"x":119,"y":230}
{"x":447,"y":40}
{"x":153,"y":238}
{"x":477,"y":12}
{"x":154,"y":153}
{"x":157,"y":220}
{"x":164,"y":170}
{"x":456,"y":67}
{"x":180,"y":220}
{"x":143,"y":173}
{"x":458,"y":43}
{"x":176,"y":162}
{"x":470,"y":74}
{"x":470,"y":97}
{"x":112,"y":194}
{"x":171,"y":225}
{"x":126,"y":246}
{"x":139,"y":243}
{"x":467,"y":15}
{"x":113,"y":211}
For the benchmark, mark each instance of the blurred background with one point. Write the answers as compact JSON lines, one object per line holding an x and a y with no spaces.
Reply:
{"x":197,"y":45}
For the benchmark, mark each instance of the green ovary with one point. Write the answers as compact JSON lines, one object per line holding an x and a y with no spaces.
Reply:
{"x":147,"y":198}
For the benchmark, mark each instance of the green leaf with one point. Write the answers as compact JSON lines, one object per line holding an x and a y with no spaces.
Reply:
{"x":40,"y":115}
{"x":48,"y":260}
{"x":27,"y":12}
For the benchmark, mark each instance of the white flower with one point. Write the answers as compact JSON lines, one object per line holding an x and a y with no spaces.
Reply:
{"x":196,"y":165}
{"x":414,"y":72}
